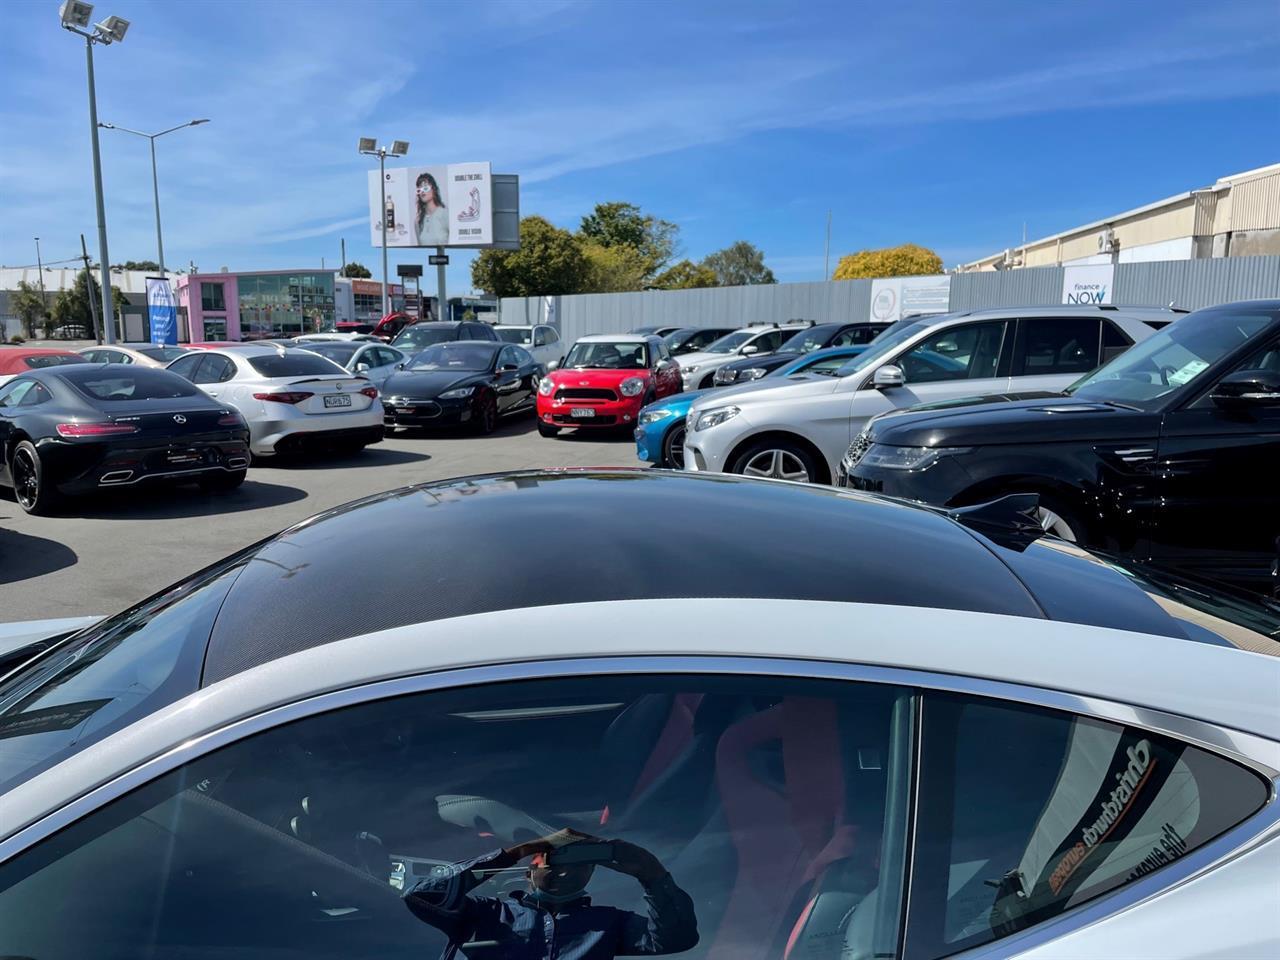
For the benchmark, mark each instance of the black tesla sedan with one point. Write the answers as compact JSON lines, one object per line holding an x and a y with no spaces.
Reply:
{"x":73,"y":429}
{"x":466,"y":381}
{"x":1170,"y":452}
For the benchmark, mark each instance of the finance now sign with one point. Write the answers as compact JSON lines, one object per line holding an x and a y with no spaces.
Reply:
{"x":1088,"y":283}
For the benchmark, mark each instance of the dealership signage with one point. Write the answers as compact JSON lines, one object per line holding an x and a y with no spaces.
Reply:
{"x":893,"y":298}
{"x":1088,"y":283}
{"x":437,"y":206}
{"x":161,"y":311}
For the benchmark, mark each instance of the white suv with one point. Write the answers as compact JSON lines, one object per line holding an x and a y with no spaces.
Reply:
{"x":800,"y":430}
{"x":698,"y":369}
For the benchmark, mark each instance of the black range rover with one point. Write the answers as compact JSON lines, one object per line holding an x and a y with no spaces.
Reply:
{"x":1170,"y":452}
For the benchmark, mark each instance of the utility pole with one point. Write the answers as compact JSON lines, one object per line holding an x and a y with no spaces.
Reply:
{"x":440,"y":269}
{"x":40,"y":268}
{"x":826,"y":255}
{"x":88,"y":289}
{"x":343,"y":241}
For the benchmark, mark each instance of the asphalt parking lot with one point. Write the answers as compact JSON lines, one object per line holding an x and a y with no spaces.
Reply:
{"x":103,"y":553}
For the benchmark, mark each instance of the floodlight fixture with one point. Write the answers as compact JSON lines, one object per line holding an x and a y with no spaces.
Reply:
{"x":112,"y":29}
{"x":399,"y":148}
{"x":75,"y":14}
{"x":368,"y":145}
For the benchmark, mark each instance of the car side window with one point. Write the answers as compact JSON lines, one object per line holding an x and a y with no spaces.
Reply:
{"x":508,"y":356}
{"x":1059,"y":345}
{"x":727,"y":813}
{"x":967,"y":352}
{"x":853,"y":336}
{"x":215,"y":369}
{"x":93,"y":356}
{"x":38,"y":393}
{"x":540,"y":337}
{"x":522,"y":356}
{"x":115,"y":356}
{"x":771,"y":341}
{"x":186,"y":366}
{"x":1027,"y":812}
{"x":12,"y":394}
{"x":1114,"y":342}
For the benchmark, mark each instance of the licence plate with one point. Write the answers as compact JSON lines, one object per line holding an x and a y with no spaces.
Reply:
{"x":404,"y":409}
{"x":184,"y":456}
{"x":342,"y":400}
{"x":582,"y":412}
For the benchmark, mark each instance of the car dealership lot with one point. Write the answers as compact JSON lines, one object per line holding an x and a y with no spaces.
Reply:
{"x":104,"y":553}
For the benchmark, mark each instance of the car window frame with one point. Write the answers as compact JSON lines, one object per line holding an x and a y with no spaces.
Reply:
{"x":1019,"y":368}
{"x":196,"y":362}
{"x":1004,"y":357}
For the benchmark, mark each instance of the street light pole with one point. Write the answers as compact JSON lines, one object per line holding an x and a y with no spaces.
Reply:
{"x":369,"y":147}
{"x":40,"y":271}
{"x":155,"y":177}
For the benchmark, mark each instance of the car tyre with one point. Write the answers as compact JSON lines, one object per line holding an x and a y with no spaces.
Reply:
{"x":34,"y":492}
{"x":223,"y":482}
{"x":707,"y":382}
{"x":777,"y":460}
{"x":546,"y":430}
{"x":486,"y":414}
{"x":673,"y":448}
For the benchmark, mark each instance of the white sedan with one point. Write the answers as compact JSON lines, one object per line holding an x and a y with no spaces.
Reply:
{"x":292,"y":399}
{"x":872,"y":731}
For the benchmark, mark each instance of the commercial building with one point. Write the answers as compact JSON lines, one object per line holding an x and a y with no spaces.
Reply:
{"x":1237,"y":216}
{"x":132,"y":283}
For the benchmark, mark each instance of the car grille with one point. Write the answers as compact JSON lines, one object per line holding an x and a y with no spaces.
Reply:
{"x":417,"y":408}
{"x":585,"y":394}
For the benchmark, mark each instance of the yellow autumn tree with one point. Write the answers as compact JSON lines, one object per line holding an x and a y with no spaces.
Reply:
{"x":908,"y":260}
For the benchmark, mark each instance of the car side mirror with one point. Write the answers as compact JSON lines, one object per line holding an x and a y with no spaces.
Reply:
{"x":888,"y":376}
{"x":361,"y":367}
{"x":1247,"y":388}
{"x":749,"y":350}
{"x":508,"y":367}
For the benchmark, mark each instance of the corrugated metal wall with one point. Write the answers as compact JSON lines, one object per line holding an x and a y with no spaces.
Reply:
{"x":1184,"y":283}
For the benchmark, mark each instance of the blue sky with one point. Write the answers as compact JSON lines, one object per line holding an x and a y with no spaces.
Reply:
{"x":945,"y":124}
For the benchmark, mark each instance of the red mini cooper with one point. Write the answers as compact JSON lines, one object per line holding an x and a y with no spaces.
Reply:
{"x":604,"y":381}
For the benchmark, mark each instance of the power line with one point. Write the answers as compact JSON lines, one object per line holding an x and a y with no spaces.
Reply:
{"x":33,"y":266}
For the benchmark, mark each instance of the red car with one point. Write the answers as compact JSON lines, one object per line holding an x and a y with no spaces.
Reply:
{"x":385,"y":329}
{"x":604,"y":381}
{"x":16,"y":360}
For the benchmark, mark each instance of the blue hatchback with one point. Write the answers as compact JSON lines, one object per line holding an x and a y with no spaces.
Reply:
{"x":660,"y":433}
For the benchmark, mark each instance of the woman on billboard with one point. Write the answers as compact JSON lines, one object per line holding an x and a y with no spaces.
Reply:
{"x":433,"y":218}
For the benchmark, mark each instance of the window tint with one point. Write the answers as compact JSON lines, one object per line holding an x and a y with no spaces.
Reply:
{"x":215,"y":369}
{"x":854,"y":336}
{"x":294,"y":364}
{"x":771,"y":341}
{"x":41,"y":360}
{"x":186,"y":366}
{"x":1028,"y":812}
{"x":756,"y":809}
{"x":539,"y":338}
{"x":518,"y":335}
{"x":163,"y":354}
{"x":25,"y":393}
{"x":1114,"y":341}
{"x":968,"y":352}
{"x":140,"y":383}
{"x":1059,"y":345}
{"x":115,"y":356}
{"x":508,"y":356}
{"x":94,"y":356}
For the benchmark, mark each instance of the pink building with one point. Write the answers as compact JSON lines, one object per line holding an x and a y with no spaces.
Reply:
{"x":255,"y":304}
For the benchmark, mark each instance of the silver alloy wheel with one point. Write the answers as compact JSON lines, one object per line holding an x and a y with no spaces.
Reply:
{"x":1051,"y":522}
{"x":777,"y":465}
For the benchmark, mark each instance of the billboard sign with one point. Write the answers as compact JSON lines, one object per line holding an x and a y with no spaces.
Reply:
{"x":162,"y":311}
{"x":435,"y":206}
{"x":893,"y":298}
{"x":1088,"y":283}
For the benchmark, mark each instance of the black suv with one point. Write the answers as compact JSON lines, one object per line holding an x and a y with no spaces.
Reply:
{"x":1170,"y":452}
{"x":417,"y":337}
{"x":817,"y":337}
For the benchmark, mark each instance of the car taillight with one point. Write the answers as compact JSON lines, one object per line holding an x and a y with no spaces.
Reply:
{"x":231,"y":420}
{"x":94,"y":429}
{"x":370,"y":392}
{"x":285,"y":397}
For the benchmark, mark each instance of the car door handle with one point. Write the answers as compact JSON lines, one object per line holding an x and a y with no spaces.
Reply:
{"x":212,"y":393}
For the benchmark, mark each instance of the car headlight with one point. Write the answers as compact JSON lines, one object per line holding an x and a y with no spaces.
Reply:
{"x":906,"y":458}
{"x":685,"y":371}
{"x":713,"y":418}
{"x":653,"y":416}
{"x":632,"y":386}
{"x":754,"y":373}
{"x":725,"y":375}
{"x":545,"y":387}
{"x":458,"y":393}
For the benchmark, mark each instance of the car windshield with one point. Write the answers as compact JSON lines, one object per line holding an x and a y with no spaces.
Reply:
{"x":731,"y":341}
{"x":806,"y":341}
{"x":421,"y":337}
{"x":163,"y":354}
{"x":514,"y":334}
{"x":104,"y":678}
{"x":118,"y":382}
{"x":52,"y":360}
{"x":337,"y":352}
{"x":607,"y":355}
{"x":295,"y":363}
{"x":889,"y":340}
{"x":1174,"y":357}
{"x":454,"y":356}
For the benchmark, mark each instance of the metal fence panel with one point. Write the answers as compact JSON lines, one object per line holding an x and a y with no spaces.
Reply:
{"x":1185,"y":283}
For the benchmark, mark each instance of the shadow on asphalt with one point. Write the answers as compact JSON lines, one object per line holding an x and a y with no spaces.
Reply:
{"x":174,"y":502}
{"x":516,"y":425}
{"x":375,"y":456}
{"x":23,"y":557}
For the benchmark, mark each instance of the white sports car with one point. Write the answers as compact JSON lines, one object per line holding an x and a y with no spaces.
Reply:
{"x":855,"y":729}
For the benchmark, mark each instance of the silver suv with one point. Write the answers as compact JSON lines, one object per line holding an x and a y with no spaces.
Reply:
{"x":799,"y":429}
{"x":697,"y":370}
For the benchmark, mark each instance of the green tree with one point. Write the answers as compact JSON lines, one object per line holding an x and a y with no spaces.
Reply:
{"x":137,"y":265}
{"x":907,"y":260}
{"x":71,"y":308}
{"x":29,"y":306}
{"x":614,"y":269}
{"x":550,"y":262}
{"x":617,"y":224}
{"x":685,"y":275}
{"x":357,"y":270}
{"x":738,"y":265}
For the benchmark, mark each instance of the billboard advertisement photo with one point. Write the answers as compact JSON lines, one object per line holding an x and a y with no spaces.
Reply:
{"x":445,"y":205}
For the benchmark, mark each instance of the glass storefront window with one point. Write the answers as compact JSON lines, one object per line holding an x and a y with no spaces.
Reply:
{"x":285,"y":305}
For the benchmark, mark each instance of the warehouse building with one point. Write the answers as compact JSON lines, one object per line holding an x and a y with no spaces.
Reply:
{"x":1238,"y":216}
